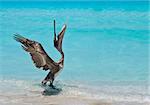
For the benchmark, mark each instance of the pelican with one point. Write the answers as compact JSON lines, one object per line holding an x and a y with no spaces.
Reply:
{"x":39,"y":56}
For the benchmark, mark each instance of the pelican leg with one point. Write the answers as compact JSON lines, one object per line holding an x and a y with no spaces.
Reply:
{"x":46,"y":79}
{"x":49,"y":77}
{"x":51,"y":81}
{"x":44,"y":82}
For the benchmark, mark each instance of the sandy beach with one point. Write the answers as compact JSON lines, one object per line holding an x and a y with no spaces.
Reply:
{"x":49,"y":100}
{"x":57,"y":100}
{"x":19,"y":92}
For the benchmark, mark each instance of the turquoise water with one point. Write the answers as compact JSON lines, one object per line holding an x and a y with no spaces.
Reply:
{"x":105,"y":45}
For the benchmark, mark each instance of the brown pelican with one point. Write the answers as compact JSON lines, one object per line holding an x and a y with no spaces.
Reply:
{"x":41,"y":58}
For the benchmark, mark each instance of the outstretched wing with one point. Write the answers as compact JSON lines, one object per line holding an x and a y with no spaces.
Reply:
{"x":38,"y":54}
{"x":39,"y":60}
{"x":58,"y":41}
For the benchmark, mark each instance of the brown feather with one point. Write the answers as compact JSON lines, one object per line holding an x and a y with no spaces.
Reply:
{"x":40,"y":57}
{"x":38,"y":54}
{"x":58,"y":41}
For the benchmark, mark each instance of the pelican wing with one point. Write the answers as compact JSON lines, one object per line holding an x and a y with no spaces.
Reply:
{"x":39,"y":60}
{"x":38,"y":54}
{"x":58,"y":41}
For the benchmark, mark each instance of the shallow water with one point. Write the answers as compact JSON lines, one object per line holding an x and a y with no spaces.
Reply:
{"x":105,"y":45}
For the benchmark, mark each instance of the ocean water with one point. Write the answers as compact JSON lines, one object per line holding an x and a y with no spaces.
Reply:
{"x":106,"y":48}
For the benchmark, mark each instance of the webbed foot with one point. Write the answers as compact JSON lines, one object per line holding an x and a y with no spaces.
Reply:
{"x":44,"y":82}
{"x":52,"y":86}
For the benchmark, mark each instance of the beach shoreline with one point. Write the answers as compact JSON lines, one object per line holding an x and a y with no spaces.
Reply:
{"x":16,"y":92}
{"x":58,"y":100}
{"x":49,"y":100}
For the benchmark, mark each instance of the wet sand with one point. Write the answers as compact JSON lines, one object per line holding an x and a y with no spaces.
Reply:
{"x":48,"y":100}
{"x":59,"y":100}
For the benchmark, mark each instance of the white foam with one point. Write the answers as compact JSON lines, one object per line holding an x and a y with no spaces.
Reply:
{"x":16,"y":87}
{"x":113,"y":93}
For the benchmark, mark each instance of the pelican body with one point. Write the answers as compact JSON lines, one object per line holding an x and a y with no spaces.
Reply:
{"x":41,"y":58}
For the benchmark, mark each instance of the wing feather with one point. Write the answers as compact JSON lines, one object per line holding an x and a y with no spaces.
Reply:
{"x":38,"y":54}
{"x":42,"y":60}
{"x":38,"y":59}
